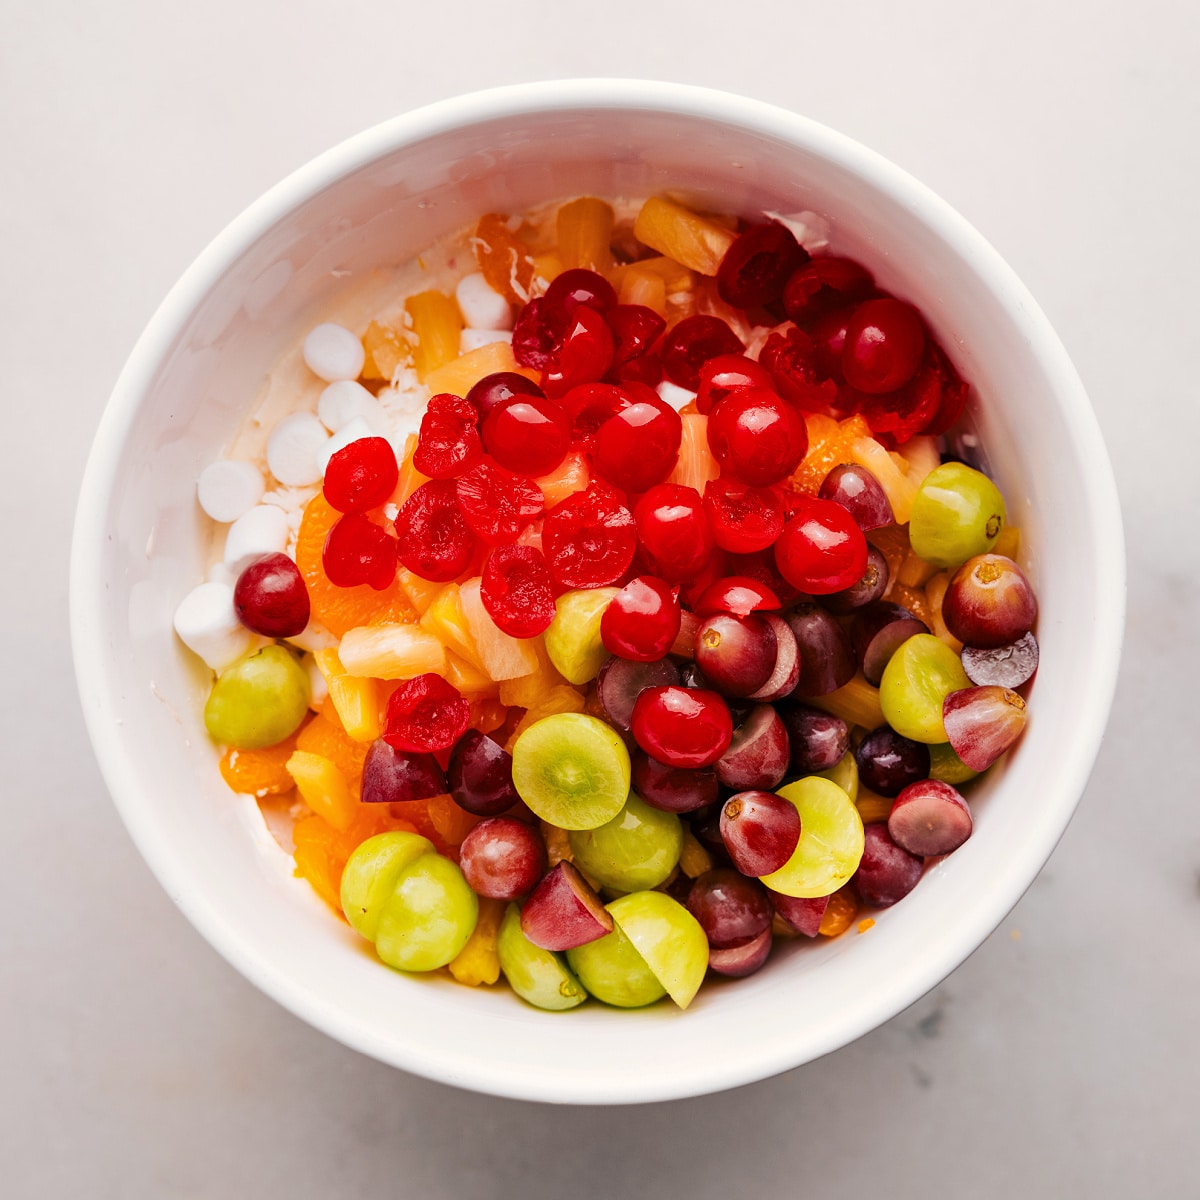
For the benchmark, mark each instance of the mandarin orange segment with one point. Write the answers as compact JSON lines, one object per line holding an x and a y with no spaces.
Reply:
{"x":830,"y":442}
{"x":259,"y":772}
{"x":839,"y":915}
{"x":338,"y":608}
{"x":326,"y":738}
{"x":324,"y":788}
{"x":436,"y":325}
{"x":451,"y":822}
{"x":321,"y":851}
{"x":506,"y":263}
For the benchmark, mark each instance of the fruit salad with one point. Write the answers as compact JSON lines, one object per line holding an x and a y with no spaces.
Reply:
{"x":626,"y":604}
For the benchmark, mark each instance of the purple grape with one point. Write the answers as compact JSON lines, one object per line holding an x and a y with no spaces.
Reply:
{"x":1003,"y":666}
{"x":621,"y":681}
{"x":877,"y":633}
{"x":739,"y":961}
{"x":736,"y":654}
{"x":826,"y":657}
{"x":732,"y":910}
{"x":480,"y":775}
{"x":982,"y":723}
{"x":929,"y":818}
{"x":887,"y":872}
{"x":802,"y":914}
{"x":860,"y":494}
{"x":989,"y":602}
{"x":817,"y":739}
{"x":673,"y":789}
{"x":786,"y":672}
{"x":392,"y":776}
{"x":690,"y":676}
{"x":502,"y":858}
{"x":760,"y":830}
{"x":758,"y":755}
{"x":866,"y":591}
{"x":888,"y":763}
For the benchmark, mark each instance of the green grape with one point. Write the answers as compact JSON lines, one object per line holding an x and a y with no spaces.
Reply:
{"x":831,"y":840}
{"x":918,"y":678}
{"x":571,"y":770}
{"x":945,"y":765}
{"x":258,"y":701}
{"x":669,"y":939}
{"x":536,"y":975}
{"x":613,"y":971}
{"x":573,"y":639}
{"x":371,"y":873}
{"x":429,"y":916}
{"x":844,"y":773}
{"x":958,"y":512}
{"x":637,"y":849}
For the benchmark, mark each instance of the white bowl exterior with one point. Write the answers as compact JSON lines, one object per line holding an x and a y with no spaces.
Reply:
{"x":382,"y":197}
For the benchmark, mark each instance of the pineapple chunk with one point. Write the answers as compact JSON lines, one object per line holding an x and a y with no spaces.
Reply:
{"x":420,"y":592}
{"x":682,"y":235}
{"x":921,"y":455}
{"x":857,"y":703}
{"x":391,"y":652}
{"x":436,"y":325}
{"x":323,"y":787}
{"x":503,"y":657}
{"x":385,"y":350}
{"x":643,"y":287}
{"x":872,"y":807}
{"x":584,"y":228}
{"x":675,"y":276}
{"x":1008,"y":543}
{"x":935,"y":593}
{"x":355,"y":699}
{"x":469,"y":679}
{"x":478,"y":961}
{"x":561,"y":699}
{"x":460,"y":374}
{"x":444,"y":618}
{"x":570,"y":476}
{"x":897,"y":485}
{"x":694,"y":859}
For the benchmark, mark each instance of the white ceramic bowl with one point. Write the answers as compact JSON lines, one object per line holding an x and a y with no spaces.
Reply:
{"x":381,"y":197}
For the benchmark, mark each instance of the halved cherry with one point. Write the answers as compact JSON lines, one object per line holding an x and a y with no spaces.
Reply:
{"x":736,"y":594}
{"x":721,"y":375}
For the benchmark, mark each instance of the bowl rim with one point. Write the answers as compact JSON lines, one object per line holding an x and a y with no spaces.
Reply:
{"x":482,"y":107}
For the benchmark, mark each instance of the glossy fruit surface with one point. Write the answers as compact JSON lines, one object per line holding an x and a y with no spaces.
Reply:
{"x":637,"y":447}
{"x":867,"y":590}
{"x":571,"y":770}
{"x":502,"y":858}
{"x":583,"y":355}
{"x":622,"y":680}
{"x":725,"y":373}
{"x":737,"y":594}
{"x":637,"y":849}
{"x":612,"y":970}
{"x":958,"y":512}
{"x":731,"y":908}
{"x":826,"y":657}
{"x":917,"y":679}
{"x":758,"y":753}
{"x":691,"y":343}
{"x":929,"y":818}
{"x":877,"y":632}
{"x":497,"y":504}
{"x":888,"y":763}
{"x":258,"y":701}
{"x":831,"y":840}
{"x":989,"y":602}
{"x":859,"y":493}
{"x":1004,"y":666}
{"x":448,"y":443}
{"x":674,"y":531}
{"x":357,"y":551}
{"x":668,"y":938}
{"x":479,"y":775}
{"x":428,"y":917}
{"x":887,"y":872}
{"x":576,"y":286}
{"x":635,"y":328}
{"x":736,"y":654}
{"x":573,"y":640}
{"x":756,"y":436}
{"x":492,"y":389}
{"x":817,"y":740}
{"x":538,"y":976}
{"x":362,"y":475}
{"x":673,"y":789}
{"x":758,"y":265}
{"x":425,"y":713}
{"x":527,"y":434}
{"x":743,"y":519}
{"x":760,"y":830}
{"x":739,"y":961}
{"x":883,"y":345}
{"x":821,"y":549}
{"x":270,"y":597}
{"x":682,"y":727}
{"x":391,"y":776}
{"x":564,"y":911}
{"x":435,"y":541}
{"x":370,"y":876}
{"x":642,"y":620}
{"x":823,"y":284}
{"x":589,"y":538}
{"x":982,"y":723}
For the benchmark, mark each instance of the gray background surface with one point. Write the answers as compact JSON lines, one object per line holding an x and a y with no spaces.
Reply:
{"x":1061,"y":1060}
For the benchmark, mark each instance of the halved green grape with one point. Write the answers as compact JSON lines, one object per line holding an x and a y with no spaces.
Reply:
{"x":428,"y":917}
{"x":637,"y":849}
{"x":536,"y":975}
{"x":613,"y":971}
{"x":573,"y":639}
{"x":371,"y":874}
{"x":958,"y":512}
{"x":258,"y":701}
{"x":844,"y":773}
{"x":670,"y":940}
{"x":831,"y":840}
{"x":571,"y":770}
{"x":919,"y":676}
{"x":945,"y":765}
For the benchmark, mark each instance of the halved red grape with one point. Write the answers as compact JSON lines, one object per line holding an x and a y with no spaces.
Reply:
{"x":756,"y":437}
{"x":786,"y":672}
{"x":496,"y":503}
{"x":358,"y":551}
{"x":884,"y":342}
{"x":726,"y":373}
{"x":642,"y":620}
{"x":502,"y":858}
{"x":516,"y":591}
{"x":929,"y":818}
{"x":758,"y":264}
{"x":691,"y":343}
{"x":492,"y":389}
{"x":392,"y":776}
{"x":622,"y":680}
{"x":821,"y":549}
{"x":817,"y":740}
{"x":674,"y":532}
{"x":731,"y":908}
{"x":758,"y":754}
{"x":982,"y":723}
{"x":564,"y":912}
{"x":826,"y":656}
{"x":860,"y":494}
{"x":270,"y":597}
{"x":739,"y":961}
{"x":877,"y":632}
{"x":866,"y":591}
{"x":527,"y":434}
{"x":887,"y":872}
{"x":737,"y":654}
{"x":589,"y":538}
{"x":1005,"y":666}
{"x":479,"y":776}
{"x":448,"y":443}
{"x":638,"y":446}
{"x":989,"y":602}
{"x":425,"y":713}
{"x":743,"y":518}
{"x":760,"y":830}
{"x":804,"y":915}
{"x":888,"y":762}
{"x":362,"y":475}
{"x":823,"y":284}
{"x":682,"y":727}
{"x":673,"y":789}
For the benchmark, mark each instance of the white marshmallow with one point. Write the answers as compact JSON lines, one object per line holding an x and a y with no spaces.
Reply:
{"x":220,"y":573}
{"x":263,"y":530}
{"x":208,"y":626}
{"x":350,"y":432}
{"x":229,"y":487}
{"x":314,"y":636}
{"x":318,"y":689}
{"x":333,"y":352}
{"x":293,"y":447}
{"x":346,"y":399}
{"x":480,"y":305}
{"x":676,"y":396}
{"x":471,"y":339}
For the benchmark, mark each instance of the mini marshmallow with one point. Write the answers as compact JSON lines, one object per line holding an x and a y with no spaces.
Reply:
{"x":333,"y":352}
{"x":480,"y":305}
{"x":263,"y":530}
{"x":350,"y":432}
{"x":314,"y":636}
{"x":229,"y":487}
{"x":346,"y":399}
{"x":471,"y":339}
{"x":220,"y":573}
{"x":676,"y":396}
{"x":208,"y":625}
{"x":293,"y":447}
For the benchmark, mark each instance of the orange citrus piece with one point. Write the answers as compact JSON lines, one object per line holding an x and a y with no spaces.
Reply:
{"x":259,"y":772}
{"x":505,"y":262}
{"x":328,"y":739}
{"x":829,"y":443}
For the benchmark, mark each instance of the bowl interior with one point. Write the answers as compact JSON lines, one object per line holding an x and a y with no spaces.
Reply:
{"x":380,"y":199}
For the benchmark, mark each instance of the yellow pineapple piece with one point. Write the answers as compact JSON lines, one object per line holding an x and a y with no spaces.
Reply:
{"x":391,"y":652}
{"x":561,"y":699}
{"x":643,"y":287}
{"x":898,"y":487}
{"x":355,"y":699}
{"x":386,"y":349}
{"x":546,"y":268}
{"x":584,"y":228}
{"x":526,"y":690}
{"x":468,"y":678}
{"x":460,"y":373}
{"x":477,"y":962}
{"x":914,"y":571}
{"x":420,"y":592}
{"x":436,"y":325}
{"x":872,"y":807}
{"x":856,"y":702}
{"x":323,"y":787}
{"x":694,"y":859}
{"x":680,"y":234}
{"x":921,"y":455}
{"x":503,"y":657}
{"x":444,"y":618}
{"x":675,"y":276}
{"x":935,"y":593}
